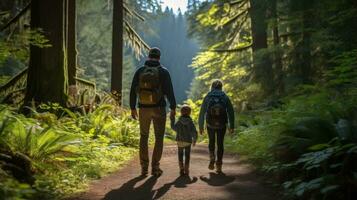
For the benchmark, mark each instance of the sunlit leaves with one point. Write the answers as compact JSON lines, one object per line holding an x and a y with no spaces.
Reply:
{"x":208,"y":18}
{"x":66,"y":152}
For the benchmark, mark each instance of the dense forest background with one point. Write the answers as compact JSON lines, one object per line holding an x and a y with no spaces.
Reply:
{"x":289,"y":67}
{"x":162,"y":29}
{"x":94,"y":38}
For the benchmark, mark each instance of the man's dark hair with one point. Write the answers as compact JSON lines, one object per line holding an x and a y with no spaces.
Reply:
{"x":217,"y":84}
{"x":154,"y":53}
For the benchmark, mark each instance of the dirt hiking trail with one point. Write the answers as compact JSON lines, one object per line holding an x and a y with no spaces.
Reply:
{"x":238,"y":182}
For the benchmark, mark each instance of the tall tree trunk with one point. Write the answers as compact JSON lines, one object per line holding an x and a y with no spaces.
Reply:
{"x":47,"y":73}
{"x":262,"y":64}
{"x":279,"y":74}
{"x":301,"y":63}
{"x":71,"y":37}
{"x":306,"y":65}
{"x":117,"y":50}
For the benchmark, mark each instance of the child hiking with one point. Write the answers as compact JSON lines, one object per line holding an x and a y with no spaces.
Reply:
{"x":186,"y":134}
{"x":218,"y":110}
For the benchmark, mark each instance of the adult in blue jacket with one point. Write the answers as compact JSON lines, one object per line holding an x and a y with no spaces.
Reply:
{"x":216,"y":127}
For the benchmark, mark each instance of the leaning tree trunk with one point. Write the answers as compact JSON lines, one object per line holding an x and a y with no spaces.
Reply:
{"x":47,"y":72}
{"x":262,"y":64}
{"x":71,"y":42}
{"x":117,"y":50}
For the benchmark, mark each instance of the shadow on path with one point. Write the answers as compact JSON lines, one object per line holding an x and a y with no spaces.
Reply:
{"x":146,"y":191}
{"x":217,"y":179}
{"x":179,"y":182}
{"x":128,"y":190}
{"x":240,"y":182}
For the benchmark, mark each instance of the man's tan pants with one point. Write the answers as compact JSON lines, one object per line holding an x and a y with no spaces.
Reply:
{"x":158,"y":116}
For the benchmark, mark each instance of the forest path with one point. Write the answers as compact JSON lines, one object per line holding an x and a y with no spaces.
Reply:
{"x":239,"y":181}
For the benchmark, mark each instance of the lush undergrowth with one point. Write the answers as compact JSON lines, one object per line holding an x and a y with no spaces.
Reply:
{"x":49,"y":157}
{"x":307,"y":143}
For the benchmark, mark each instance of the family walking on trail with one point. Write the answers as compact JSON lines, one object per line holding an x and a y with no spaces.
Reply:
{"x":150,"y":89}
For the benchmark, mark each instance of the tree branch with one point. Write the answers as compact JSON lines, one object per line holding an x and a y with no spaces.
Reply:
{"x":231,"y":50}
{"x":133,"y":13}
{"x":235,"y":17}
{"x":135,"y":41}
{"x":237,"y":2}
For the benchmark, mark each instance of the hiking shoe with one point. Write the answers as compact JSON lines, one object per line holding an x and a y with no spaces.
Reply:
{"x":211,"y":165}
{"x":156,"y":172}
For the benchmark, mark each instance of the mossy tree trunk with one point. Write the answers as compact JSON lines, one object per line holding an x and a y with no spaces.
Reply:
{"x":117,"y":49}
{"x":48,"y":74}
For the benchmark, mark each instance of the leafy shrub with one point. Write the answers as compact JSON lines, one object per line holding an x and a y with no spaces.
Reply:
{"x":328,"y":172}
{"x":309,"y":144}
{"x":58,"y":154}
{"x":12,"y":189}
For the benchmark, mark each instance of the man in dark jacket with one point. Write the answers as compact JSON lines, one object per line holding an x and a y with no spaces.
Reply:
{"x":215,"y":101}
{"x":150,"y":88}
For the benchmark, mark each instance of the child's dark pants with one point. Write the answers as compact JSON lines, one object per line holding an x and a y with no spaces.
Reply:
{"x":212,"y":133}
{"x":184,"y":151}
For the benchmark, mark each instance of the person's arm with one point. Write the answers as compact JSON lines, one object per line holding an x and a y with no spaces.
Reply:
{"x":173,"y":125}
{"x":169,"y":90}
{"x":194,"y":131}
{"x":133,"y":95}
{"x":203,"y":110}
{"x":230,"y":112}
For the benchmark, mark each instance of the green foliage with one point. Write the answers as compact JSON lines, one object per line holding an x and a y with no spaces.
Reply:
{"x":57,"y":155}
{"x":328,"y":172}
{"x":11,"y":188}
{"x":14,"y":50}
{"x":344,"y":74}
{"x":256,"y":136}
{"x":293,"y":142}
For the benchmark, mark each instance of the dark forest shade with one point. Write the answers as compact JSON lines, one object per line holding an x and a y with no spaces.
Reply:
{"x":262,"y":64}
{"x":117,"y":49}
{"x":47,"y":75}
{"x":71,"y":41}
{"x":279,"y":75}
